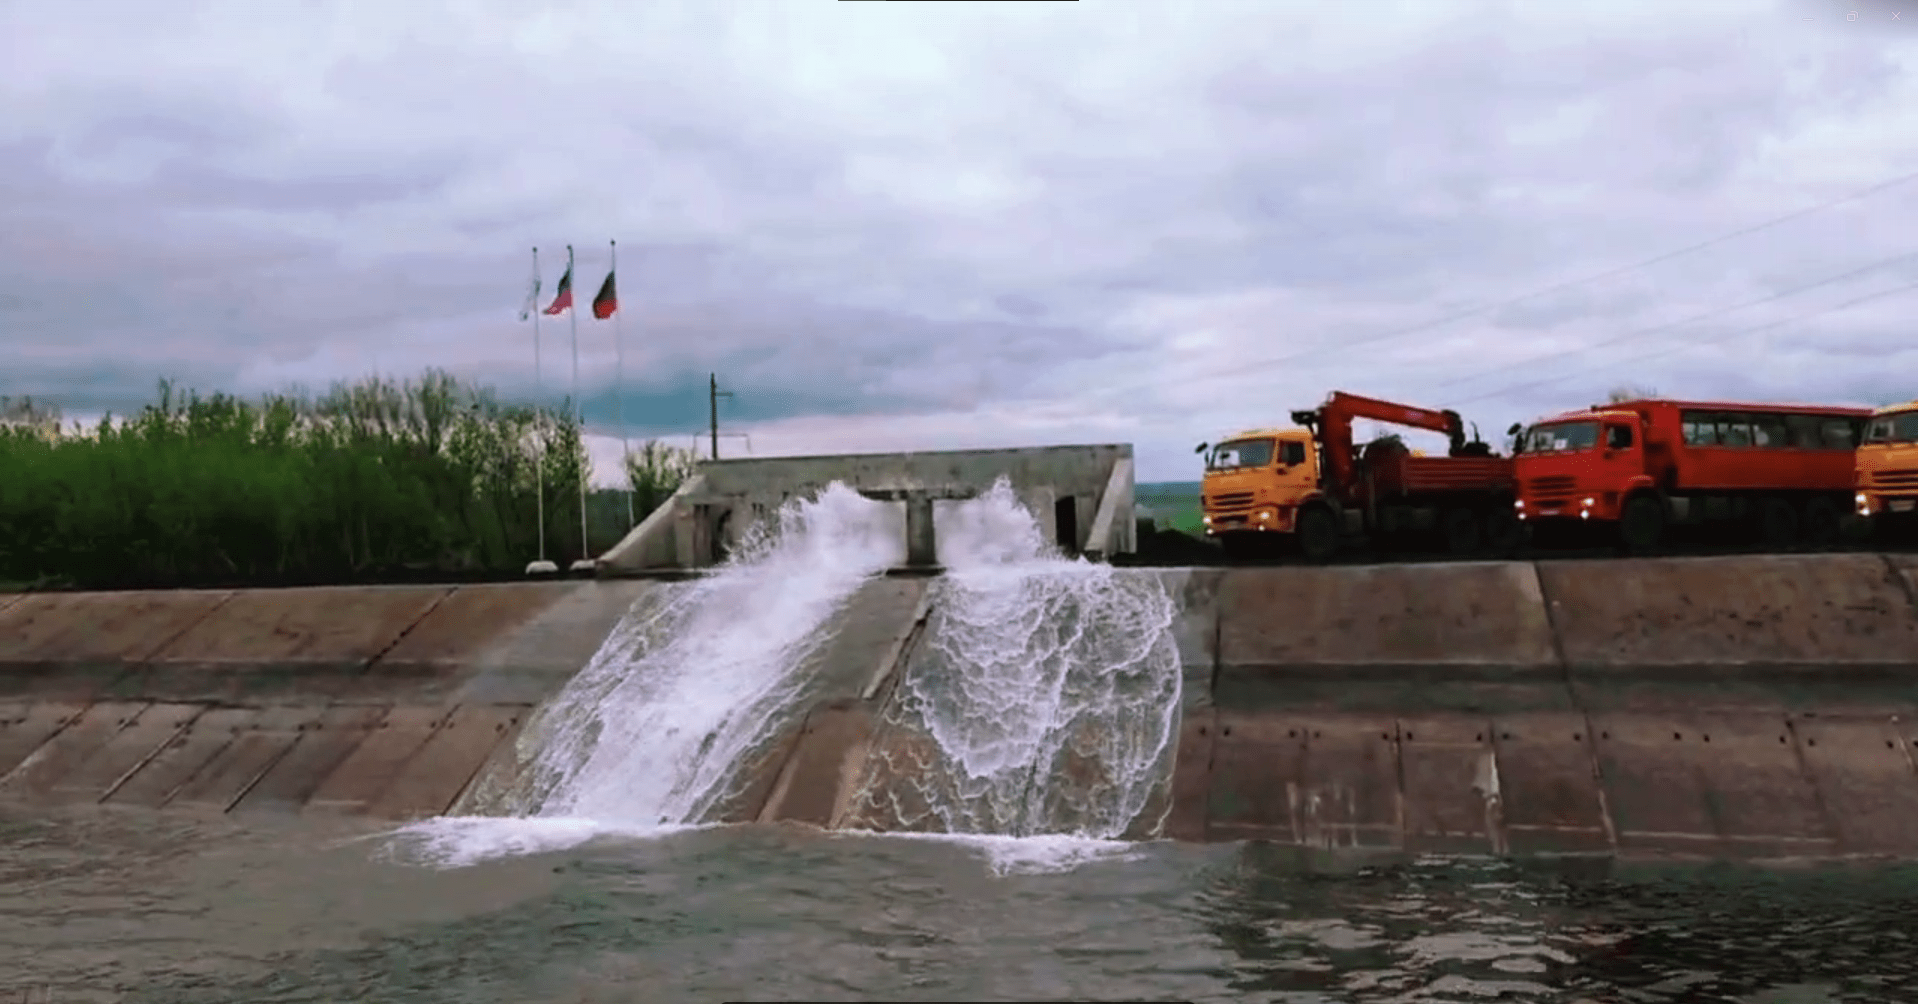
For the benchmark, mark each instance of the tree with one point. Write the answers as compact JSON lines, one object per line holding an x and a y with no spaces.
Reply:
{"x":655,"y":471}
{"x":1630,"y":392}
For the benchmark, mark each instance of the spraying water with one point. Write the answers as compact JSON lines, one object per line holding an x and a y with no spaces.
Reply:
{"x":652,"y":731}
{"x":1050,"y":687}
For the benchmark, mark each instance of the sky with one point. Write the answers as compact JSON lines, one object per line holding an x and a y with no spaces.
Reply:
{"x":911,"y":226}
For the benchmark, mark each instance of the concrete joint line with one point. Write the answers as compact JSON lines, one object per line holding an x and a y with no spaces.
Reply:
{"x":404,"y":632}
{"x":1571,"y":695}
{"x":902,"y":645}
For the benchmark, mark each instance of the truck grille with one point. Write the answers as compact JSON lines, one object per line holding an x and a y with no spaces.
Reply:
{"x":1229,"y":500}
{"x":1551,"y":489}
{"x":1895,"y":479}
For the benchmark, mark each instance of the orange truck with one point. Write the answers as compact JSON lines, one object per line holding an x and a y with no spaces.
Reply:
{"x":1635,"y":468}
{"x":1312,"y":487}
{"x":1886,"y":468}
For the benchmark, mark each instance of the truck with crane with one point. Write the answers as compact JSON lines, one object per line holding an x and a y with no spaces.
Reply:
{"x":1312,"y":487}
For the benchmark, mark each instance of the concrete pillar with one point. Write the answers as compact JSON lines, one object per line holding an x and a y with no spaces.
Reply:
{"x":922,"y":550}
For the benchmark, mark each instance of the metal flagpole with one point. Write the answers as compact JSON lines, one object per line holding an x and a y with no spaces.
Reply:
{"x":585,"y":561}
{"x":539,"y":432}
{"x":619,"y":387}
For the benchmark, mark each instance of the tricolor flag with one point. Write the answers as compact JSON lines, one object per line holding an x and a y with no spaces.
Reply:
{"x":563,"y":300}
{"x":608,"y":299}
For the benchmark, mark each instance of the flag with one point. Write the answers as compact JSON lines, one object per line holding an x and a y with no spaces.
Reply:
{"x":563,"y":300}
{"x":532,"y":299}
{"x":608,"y":299}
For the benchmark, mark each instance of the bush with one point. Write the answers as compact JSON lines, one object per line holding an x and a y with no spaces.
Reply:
{"x":375,"y":480}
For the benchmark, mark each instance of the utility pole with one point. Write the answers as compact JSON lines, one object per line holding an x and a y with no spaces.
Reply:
{"x":713,"y":394}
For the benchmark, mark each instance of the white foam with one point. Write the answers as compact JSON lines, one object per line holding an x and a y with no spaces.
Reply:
{"x":462,"y":841}
{"x":648,"y":737}
{"x":1051,"y":686}
{"x":1040,"y":855}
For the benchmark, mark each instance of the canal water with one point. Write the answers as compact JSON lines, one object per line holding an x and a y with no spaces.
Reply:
{"x":99,"y":906}
{"x":591,"y":880}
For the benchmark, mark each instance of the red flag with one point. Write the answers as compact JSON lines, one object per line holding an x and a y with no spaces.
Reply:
{"x":608,"y":299}
{"x":563,"y":301}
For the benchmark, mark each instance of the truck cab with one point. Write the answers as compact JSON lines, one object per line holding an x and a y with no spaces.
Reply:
{"x":1254,"y":483}
{"x":1580,"y":466}
{"x":1886,"y":466}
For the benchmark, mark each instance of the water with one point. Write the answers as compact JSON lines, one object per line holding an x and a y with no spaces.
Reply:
{"x":104,"y":906}
{"x":1043,"y":692}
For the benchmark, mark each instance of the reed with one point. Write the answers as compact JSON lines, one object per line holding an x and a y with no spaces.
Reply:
{"x":374,"y":480}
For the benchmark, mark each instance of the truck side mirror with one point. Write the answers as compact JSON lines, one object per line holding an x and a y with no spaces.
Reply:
{"x":1200,"y":448}
{"x":1515,"y":429}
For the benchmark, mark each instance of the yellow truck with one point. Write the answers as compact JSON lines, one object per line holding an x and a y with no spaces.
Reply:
{"x":1313,"y":487}
{"x":1887,"y":468}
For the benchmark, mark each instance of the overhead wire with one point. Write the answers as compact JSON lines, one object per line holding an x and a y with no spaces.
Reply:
{"x":1596,"y":344}
{"x":1240,"y":368}
{"x":1725,"y":336}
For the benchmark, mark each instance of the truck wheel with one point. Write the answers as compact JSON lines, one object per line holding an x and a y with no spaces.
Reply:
{"x":1778,"y":523}
{"x":1461,"y":531}
{"x":1642,"y":525}
{"x":1504,"y":534}
{"x":1823,"y":522}
{"x":1318,"y":534}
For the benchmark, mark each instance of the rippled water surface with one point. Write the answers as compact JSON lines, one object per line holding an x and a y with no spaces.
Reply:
{"x":109,"y":906}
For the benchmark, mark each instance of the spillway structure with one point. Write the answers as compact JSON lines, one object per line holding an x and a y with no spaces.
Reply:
{"x":1757,"y":706}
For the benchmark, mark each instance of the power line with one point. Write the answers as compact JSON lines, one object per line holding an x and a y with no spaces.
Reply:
{"x":1527,"y":385}
{"x":1695,"y":318}
{"x":1240,"y":368}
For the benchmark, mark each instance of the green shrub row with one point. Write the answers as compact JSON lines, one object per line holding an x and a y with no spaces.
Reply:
{"x":376,"y":480}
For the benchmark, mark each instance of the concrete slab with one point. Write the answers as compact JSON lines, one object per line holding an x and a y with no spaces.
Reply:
{"x":1257,"y":768}
{"x":1862,"y":768}
{"x":1548,"y":785}
{"x":432,"y":780}
{"x":1464,"y":615}
{"x":824,"y":770}
{"x":75,"y":646}
{"x":190,"y":749}
{"x":535,"y":659}
{"x":895,"y":775}
{"x":357,"y":783}
{"x":29,"y":726}
{"x":438,"y":653}
{"x":1823,"y":614}
{"x":278,"y":767}
{"x":140,"y":741}
{"x":330,"y":627}
{"x":79,"y":628}
{"x":69,"y":747}
{"x":1192,"y":775}
{"x":9,"y":599}
{"x":1449,"y":777}
{"x":865,"y":640}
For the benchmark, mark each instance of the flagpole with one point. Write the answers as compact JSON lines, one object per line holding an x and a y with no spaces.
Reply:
{"x":579,"y":419}
{"x":539,"y":431}
{"x":619,"y":384}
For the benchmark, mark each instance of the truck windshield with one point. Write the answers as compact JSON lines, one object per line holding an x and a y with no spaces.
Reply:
{"x":1899,"y":428}
{"x":1560,"y":437}
{"x":1241,"y":453}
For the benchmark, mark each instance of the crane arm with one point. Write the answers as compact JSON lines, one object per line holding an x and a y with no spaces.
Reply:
{"x":1332,"y":423}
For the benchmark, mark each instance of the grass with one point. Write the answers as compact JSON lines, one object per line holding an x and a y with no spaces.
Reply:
{"x":1174,"y":505}
{"x":374,"y":481}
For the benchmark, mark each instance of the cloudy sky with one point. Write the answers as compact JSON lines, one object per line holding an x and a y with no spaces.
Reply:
{"x":946,"y":225}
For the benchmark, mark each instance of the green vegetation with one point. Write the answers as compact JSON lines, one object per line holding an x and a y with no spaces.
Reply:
{"x":1174,"y":505}
{"x":377,"y":480}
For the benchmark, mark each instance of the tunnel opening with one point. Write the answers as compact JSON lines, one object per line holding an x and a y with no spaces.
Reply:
{"x":1065,"y":517}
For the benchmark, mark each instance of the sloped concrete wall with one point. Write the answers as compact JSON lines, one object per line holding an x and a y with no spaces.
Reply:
{"x":1713,"y":707}
{"x":377,"y":700}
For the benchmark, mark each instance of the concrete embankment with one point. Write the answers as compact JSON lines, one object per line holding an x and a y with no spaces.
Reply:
{"x":383,"y":701}
{"x":1725,"y":707}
